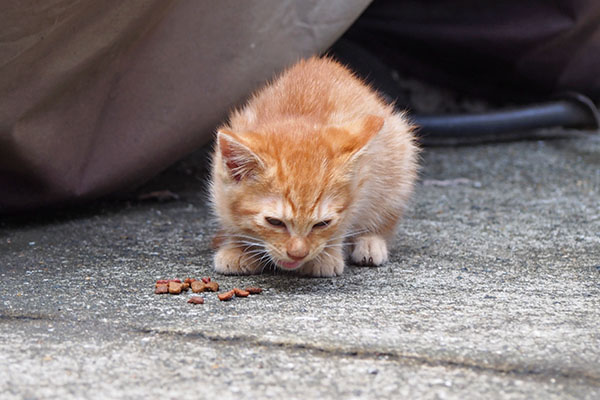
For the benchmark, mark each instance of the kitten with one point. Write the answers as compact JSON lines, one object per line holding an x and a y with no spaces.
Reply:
{"x":314,"y":164}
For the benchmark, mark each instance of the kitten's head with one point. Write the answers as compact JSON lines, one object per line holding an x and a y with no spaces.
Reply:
{"x":286,"y":191}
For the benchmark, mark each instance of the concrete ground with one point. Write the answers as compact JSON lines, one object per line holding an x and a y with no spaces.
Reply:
{"x":493,"y":291}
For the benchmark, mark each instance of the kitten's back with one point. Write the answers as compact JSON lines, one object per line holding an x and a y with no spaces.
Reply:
{"x":318,"y":89}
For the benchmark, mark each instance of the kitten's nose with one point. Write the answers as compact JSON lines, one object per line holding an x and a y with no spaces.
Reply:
{"x":297,"y":249}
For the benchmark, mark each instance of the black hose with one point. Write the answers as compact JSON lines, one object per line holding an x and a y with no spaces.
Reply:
{"x":572,"y":111}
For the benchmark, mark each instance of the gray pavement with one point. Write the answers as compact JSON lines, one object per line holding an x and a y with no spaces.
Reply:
{"x":493,"y":291}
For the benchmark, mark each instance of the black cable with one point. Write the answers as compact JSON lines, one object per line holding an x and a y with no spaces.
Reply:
{"x":572,"y":111}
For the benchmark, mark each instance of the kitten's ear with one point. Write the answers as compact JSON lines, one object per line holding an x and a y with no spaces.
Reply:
{"x":238,"y":159}
{"x":356,"y":134}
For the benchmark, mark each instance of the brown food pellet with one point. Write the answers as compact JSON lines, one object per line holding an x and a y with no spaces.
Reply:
{"x":174,"y":280}
{"x":206,"y":280}
{"x":185,"y":287}
{"x":162,"y":282}
{"x":212,"y":286}
{"x":198,"y":287}
{"x":196,"y":300}
{"x":189,"y":280}
{"x":253,"y":290}
{"x":240,"y":292}
{"x":175,"y":287}
{"x":162,"y":288}
{"x":226,"y":296}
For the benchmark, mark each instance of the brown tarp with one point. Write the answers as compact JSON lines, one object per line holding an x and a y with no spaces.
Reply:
{"x":98,"y":96}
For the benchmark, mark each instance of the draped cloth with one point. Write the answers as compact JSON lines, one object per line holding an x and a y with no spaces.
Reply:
{"x":99,"y":96}
{"x":505,"y":49}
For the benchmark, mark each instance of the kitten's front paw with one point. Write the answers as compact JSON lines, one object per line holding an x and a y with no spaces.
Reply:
{"x":233,"y":261}
{"x":369,"y":250}
{"x":324,"y":267}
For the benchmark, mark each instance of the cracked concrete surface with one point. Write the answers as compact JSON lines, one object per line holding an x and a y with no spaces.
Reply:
{"x":492,"y":291}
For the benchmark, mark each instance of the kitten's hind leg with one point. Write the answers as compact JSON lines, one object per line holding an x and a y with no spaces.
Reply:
{"x":230,"y":260}
{"x":369,"y":250}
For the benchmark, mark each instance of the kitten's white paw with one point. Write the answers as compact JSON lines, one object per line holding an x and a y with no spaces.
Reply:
{"x":232,"y":261}
{"x":327,"y":267}
{"x":369,"y":250}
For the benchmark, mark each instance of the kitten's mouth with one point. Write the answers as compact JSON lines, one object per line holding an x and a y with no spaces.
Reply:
{"x":289,"y":264}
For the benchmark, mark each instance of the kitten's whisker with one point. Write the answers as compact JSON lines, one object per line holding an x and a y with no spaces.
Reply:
{"x":346,"y":235}
{"x":242,"y":236}
{"x":257,"y":259}
{"x":245,"y":241}
{"x":268,"y":262}
{"x":245,"y":261}
{"x":266,"y":256}
{"x":320,"y":256}
{"x":333,"y":245}
{"x":255,"y":251}
{"x":246,"y":244}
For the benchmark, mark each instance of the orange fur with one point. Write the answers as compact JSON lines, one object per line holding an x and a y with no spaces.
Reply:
{"x":320,"y":152}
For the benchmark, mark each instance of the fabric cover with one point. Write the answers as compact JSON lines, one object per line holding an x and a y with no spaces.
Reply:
{"x":98,"y":96}
{"x":503,"y":49}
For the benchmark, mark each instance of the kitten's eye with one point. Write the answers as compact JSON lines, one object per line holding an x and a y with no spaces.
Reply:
{"x":322,"y":224}
{"x":274,"y":221}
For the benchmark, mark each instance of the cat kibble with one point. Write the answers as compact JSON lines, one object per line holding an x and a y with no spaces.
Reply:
{"x":175,"y":287}
{"x":189,"y":280}
{"x":198,"y":287}
{"x":196,"y":300}
{"x":226,"y":296}
{"x":212,"y":286}
{"x":162,"y":288}
{"x":240,"y":292}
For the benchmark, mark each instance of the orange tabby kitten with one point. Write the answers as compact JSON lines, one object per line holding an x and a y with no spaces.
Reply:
{"x":314,"y":164}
